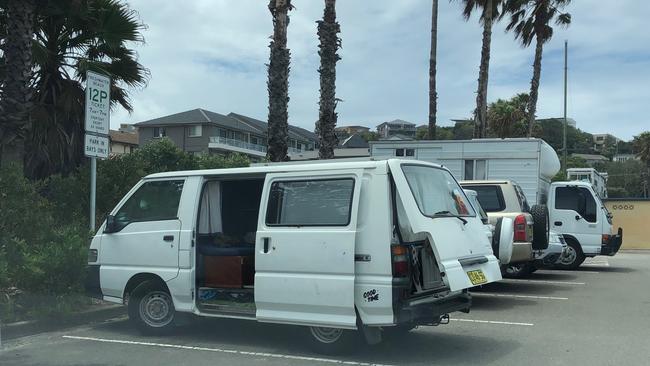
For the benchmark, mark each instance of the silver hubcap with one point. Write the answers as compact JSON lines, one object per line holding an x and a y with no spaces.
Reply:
{"x":326,"y":335}
{"x":157,"y":309}
{"x":569,"y":257}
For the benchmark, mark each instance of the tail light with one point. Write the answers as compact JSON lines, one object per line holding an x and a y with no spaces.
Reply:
{"x":605,"y":239}
{"x":520,"y":228}
{"x":400,"y":261}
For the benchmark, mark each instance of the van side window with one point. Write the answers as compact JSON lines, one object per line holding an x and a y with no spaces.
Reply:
{"x":578,"y":199}
{"x":310,"y":203}
{"x":153,"y":201}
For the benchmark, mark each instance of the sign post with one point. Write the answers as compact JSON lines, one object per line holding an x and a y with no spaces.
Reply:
{"x":97,"y":124}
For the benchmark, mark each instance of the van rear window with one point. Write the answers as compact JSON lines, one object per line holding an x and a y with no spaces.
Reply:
{"x":490,"y":197}
{"x":323,"y":202}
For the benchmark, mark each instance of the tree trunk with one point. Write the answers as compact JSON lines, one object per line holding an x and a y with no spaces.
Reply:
{"x":433,"y":96}
{"x":481,"y":95}
{"x":15,"y":100}
{"x":534,"y":86}
{"x":278,"y":82}
{"x":328,"y":30}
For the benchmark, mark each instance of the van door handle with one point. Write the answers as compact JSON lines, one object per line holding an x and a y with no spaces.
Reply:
{"x":557,"y":223}
{"x":266,"y":244}
{"x":168,"y":238}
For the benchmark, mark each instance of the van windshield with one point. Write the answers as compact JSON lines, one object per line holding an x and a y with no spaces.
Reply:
{"x":436,"y":192}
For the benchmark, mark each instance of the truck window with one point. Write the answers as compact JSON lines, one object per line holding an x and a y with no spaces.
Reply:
{"x":436,"y":191}
{"x":153,"y":201}
{"x":578,"y":199}
{"x":490,"y":197}
{"x":310,"y":203}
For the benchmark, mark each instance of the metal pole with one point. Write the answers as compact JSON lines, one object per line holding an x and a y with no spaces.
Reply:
{"x":93,"y":188}
{"x":564,"y":152}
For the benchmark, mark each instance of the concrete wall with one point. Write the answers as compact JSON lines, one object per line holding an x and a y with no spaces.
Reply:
{"x":633,"y":215}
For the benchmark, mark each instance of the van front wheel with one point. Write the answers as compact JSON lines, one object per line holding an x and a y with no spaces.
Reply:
{"x":151,"y":309}
{"x":332,"y":340}
{"x":572,"y":258}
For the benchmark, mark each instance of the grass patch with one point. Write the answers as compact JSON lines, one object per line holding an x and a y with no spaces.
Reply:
{"x":24,"y":306}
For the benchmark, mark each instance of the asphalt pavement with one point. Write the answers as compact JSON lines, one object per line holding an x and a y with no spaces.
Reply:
{"x":598,"y":315}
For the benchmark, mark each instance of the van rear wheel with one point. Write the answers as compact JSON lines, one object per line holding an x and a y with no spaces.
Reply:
{"x":151,"y":309}
{"x":332,"y":340}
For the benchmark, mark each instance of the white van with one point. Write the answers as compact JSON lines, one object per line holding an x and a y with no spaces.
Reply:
{"x":580,"y":216}
{"x":335,"y":247}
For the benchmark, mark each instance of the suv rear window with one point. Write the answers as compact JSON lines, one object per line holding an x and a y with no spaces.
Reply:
{"x":324,"y":202}
{"x":490,"y":197}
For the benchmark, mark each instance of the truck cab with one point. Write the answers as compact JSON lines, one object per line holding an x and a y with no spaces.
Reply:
{"x":580,"y":216}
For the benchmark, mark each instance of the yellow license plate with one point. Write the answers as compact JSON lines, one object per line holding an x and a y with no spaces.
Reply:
{"x":476,"y":277}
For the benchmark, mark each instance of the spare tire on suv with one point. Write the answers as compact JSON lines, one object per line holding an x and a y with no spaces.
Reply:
{"x":540,"y":226}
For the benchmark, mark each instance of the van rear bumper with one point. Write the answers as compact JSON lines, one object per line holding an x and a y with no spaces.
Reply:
{"x":428,"y":310}
{"x":91,"y":283}
{"x":613,"y":244}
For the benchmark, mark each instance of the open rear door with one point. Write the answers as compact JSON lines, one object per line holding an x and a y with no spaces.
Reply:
{"x":305,"y":244}
{"x":461,"y":247}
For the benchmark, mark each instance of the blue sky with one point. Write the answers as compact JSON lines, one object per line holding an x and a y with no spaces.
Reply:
{"x":212,"y":54}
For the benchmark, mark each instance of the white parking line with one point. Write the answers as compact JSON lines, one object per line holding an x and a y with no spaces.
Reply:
{"x":231,"y":351}
{"x":551,"y":271}
{"x":489,"y":294}
{"x":491,"y":322}
{"x":510,"y":280}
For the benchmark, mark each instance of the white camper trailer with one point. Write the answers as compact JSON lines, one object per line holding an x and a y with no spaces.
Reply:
{"x":597,"y":179}
{"x":530,"y":162}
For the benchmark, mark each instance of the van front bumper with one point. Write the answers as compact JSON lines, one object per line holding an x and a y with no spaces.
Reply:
{"x":91,"y":282}
{"x":428,"y":310}
{"x":613,"y":244}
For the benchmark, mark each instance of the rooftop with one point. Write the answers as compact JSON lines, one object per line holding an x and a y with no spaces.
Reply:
{"x":232,"y":120}
{"x":126,"y":138}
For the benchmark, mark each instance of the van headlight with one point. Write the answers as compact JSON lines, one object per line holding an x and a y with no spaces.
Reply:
{"x":92,"y":255}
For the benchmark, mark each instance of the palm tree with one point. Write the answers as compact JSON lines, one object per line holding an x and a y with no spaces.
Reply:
{"x":433,"y":95}
{"x":490,"y":10}
{"x":530,"y":20}
{"x":16,"y":94}
{"x":73,"y":37}
{"x":328,"y":28}
{"x":641,"y":144}
{"x":278,"y":83}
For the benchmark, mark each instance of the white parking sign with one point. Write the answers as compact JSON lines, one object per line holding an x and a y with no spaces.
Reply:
{"x":96,"y":146}
{"x":98,"y":103}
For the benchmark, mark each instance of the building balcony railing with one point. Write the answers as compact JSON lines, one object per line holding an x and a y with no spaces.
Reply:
{"x":248,"y":146}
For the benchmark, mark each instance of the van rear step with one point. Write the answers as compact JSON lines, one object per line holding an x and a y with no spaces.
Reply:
{"x":235,"y":301}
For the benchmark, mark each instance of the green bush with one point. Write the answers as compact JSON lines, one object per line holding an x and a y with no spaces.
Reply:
{"x":43,"y":224}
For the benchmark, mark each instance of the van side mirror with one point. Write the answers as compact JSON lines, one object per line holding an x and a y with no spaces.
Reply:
{"x":110,"y":224}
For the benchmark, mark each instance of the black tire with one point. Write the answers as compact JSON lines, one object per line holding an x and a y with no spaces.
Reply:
{"x":151,"y":309}
{"x":496,"y":237}
{"x":573,"y":257}
{"x":518,"y":270}
{"x":540,"y":226}
{"x":333,"y":341}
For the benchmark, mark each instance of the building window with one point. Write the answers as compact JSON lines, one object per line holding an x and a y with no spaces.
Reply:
{"x":410,"y":152}
{"x":399,"y":152}
{"x":195,"y":131}
{"x":254,"y":140}
{"x":475,"y":170}
{"x":159,"y":132}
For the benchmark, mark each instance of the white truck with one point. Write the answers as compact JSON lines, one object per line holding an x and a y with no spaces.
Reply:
{"x":335,"y":247}
{"x":578,"y":214}
{"x":532,"y":164}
